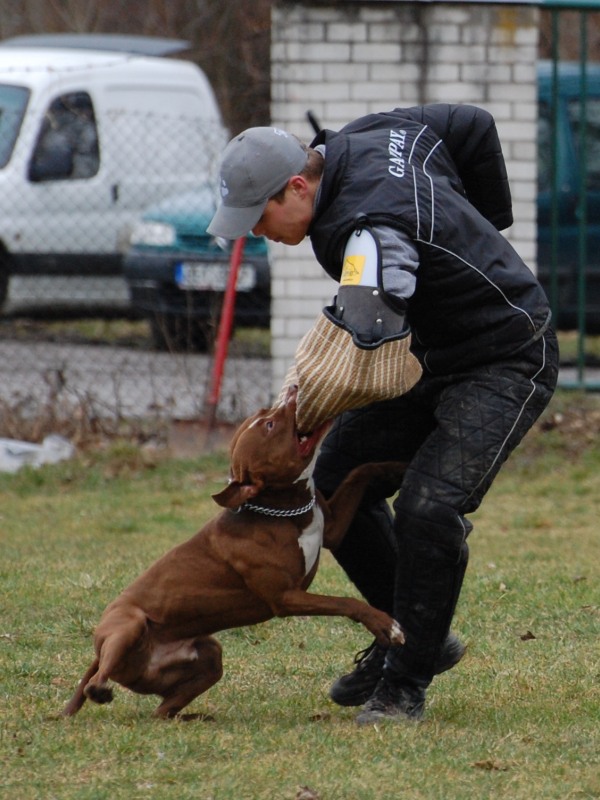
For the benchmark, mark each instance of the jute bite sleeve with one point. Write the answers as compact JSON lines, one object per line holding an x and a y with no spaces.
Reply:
{"x":334,"y":372}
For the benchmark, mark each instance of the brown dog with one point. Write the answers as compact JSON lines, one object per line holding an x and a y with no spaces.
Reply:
{"x":250,"y":563}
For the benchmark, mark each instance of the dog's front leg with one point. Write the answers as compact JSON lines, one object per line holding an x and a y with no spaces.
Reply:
{"x":343,"y":504}
{"x":296,"y":602}
{"x":279,"y":589}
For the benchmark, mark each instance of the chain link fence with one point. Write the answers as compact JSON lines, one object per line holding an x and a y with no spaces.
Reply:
{"x":108,"y":170}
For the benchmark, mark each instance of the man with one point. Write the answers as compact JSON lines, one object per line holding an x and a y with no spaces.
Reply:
{"x":404,"y":208}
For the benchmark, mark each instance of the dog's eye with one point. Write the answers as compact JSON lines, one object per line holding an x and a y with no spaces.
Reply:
{"x":270,"y":425}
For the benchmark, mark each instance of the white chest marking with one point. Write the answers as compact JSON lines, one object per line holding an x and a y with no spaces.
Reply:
{"x":311,"y":540}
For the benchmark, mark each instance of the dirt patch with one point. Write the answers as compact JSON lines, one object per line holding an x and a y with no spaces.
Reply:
{"x":571,"y":424}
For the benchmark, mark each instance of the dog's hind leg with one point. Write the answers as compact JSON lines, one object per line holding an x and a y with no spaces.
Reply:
{"x":120,"y":651}
{"x":182,"y":683}
{"x":78,"y":698}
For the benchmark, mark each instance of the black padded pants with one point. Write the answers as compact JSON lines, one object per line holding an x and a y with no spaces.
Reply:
{"x":455,"y":432}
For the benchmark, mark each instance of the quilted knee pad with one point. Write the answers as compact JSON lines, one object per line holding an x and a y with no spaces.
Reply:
{"x":432,"y":526}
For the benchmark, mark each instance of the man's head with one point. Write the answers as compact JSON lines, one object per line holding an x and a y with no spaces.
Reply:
{"x":264,"y":188}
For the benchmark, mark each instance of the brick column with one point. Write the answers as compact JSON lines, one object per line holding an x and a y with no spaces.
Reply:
{"x":343,"y":60}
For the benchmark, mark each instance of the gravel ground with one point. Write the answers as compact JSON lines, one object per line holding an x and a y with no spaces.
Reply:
{"x":129,"y":382}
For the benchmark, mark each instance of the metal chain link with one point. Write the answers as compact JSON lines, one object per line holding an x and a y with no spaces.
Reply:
{"x":279,"y":512}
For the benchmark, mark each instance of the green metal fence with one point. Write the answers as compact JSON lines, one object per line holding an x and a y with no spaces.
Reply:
{"x":573,"y":213}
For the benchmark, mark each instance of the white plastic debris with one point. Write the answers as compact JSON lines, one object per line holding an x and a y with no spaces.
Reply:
{"x":15,"y":454}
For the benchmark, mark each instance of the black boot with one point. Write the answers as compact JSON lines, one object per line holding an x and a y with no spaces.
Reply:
{"x":400,"y":701}
{"x":356,"y":687}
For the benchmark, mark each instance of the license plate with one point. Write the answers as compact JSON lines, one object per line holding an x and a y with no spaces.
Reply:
{"x":212,"y":277}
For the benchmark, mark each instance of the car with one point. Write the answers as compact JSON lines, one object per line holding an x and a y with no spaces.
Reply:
{"x":177,"y":273}
{"x":570,"y":282}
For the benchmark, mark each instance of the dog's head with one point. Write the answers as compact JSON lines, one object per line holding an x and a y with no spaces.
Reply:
{"x":268,"y":451}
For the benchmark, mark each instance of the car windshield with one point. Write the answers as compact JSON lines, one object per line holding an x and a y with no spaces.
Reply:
{"x":13,"y":101}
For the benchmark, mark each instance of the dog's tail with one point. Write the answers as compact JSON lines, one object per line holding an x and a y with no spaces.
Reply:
{"x":78,"y":698}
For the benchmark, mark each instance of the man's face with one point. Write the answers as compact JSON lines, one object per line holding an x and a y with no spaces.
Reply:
{"x":288,"y":220}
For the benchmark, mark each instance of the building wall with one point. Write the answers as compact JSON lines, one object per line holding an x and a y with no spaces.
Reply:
{"x":343,"y":60}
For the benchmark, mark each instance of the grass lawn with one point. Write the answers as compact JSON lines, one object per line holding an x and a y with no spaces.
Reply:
{"x":518,"y":718}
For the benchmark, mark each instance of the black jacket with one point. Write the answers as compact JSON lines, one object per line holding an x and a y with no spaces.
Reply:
{"x":436,"y":173}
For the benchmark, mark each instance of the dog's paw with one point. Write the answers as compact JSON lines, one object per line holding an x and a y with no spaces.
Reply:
{"x":396,"y":634}
{"x":98,"y":694}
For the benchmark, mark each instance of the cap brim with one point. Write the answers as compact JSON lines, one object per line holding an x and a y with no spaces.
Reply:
{"x":231,"y":223}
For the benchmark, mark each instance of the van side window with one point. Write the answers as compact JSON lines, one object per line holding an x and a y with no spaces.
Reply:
{"x":592,"y":139}
{"x":67,"y":145}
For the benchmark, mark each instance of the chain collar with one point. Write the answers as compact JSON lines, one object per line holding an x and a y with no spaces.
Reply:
{"x":278,"y":512}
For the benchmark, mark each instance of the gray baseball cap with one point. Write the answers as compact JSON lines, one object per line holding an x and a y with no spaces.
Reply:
{"x":256,"y":164}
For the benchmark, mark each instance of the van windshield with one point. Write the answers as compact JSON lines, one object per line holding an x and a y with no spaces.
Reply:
{"x":13,"y":101}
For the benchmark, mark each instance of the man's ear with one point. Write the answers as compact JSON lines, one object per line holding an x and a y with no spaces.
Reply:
{"x":236,"y":494}
{"x":298,"y":184}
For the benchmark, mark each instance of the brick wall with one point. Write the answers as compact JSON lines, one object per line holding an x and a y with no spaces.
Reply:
{"x":342,"y":60}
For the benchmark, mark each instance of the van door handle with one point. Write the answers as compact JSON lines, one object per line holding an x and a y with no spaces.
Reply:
{"x":114,"y":191}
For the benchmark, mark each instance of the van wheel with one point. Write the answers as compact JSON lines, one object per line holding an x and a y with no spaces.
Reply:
{"x":178,"y":334}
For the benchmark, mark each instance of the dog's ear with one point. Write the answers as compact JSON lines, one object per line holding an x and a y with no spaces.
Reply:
{"x":236,"y":494}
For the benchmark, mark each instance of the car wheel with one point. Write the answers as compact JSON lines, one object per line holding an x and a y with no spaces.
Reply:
{"x":179,"y":334}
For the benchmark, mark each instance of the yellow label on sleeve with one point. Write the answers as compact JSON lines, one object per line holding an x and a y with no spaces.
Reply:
{"x":352,"y":270}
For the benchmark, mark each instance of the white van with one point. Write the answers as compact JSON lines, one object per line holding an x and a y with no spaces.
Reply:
{"x":93,"y":129}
